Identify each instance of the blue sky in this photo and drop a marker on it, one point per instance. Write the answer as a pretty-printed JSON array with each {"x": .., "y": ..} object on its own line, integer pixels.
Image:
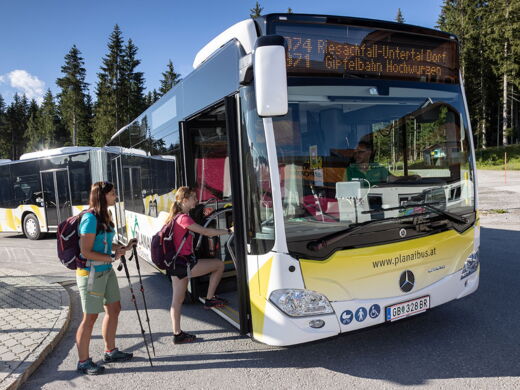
[{"x": 35, "y": 35}]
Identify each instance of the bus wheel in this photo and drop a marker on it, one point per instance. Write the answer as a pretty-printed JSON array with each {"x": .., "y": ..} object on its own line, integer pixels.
[{"x": 31, "y": 227}]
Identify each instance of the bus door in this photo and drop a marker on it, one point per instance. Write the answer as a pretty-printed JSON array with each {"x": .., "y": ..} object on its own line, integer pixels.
[
  {"x": 212, "y": 167},
  {"x": 133, "y": 189},
  {"x": 56, "y": 196},
  {"x": 117, "y": 179}
]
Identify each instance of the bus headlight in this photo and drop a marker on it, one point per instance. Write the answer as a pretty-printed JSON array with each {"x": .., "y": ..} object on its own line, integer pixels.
[
  {"x": 471, "y": 265},
  {"x": 300, "y": 303}
]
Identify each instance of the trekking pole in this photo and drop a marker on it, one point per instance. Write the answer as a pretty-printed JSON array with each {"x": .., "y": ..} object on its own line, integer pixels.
[
  {"x": 123, "y": 262},
  {"x": 134, "y": 256}
]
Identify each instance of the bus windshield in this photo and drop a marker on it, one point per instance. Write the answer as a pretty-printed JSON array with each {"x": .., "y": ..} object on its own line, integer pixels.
[{"x": 348, "y": 153}]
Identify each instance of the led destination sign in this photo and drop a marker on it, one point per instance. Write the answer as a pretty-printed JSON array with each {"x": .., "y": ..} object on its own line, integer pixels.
[{"x": 346, "y": 51}]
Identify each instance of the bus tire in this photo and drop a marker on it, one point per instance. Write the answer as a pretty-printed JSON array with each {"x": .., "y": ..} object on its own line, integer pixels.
[{"x": 31, "y": 227}]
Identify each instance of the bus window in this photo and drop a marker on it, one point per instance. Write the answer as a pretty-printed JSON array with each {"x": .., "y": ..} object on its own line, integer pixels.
[
  {"x": 132, "y": 186},
  {"x": 80, "y": 179},
  {"x": 257, "y": 182},
  {"x": 5, "y": 187},
  {"x": 210, "y": 156},
  {"x": 26, "y": 182}
]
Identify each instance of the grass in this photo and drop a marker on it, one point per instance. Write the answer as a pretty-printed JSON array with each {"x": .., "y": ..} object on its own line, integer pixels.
[
  {"x": 493, "y": 158},
  {"x": 498, "y": 211}
]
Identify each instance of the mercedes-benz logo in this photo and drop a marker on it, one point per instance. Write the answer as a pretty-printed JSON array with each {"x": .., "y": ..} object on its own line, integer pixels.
[
  {"x": 402, "y": 233},
  {"x": 406, "y": 281}
]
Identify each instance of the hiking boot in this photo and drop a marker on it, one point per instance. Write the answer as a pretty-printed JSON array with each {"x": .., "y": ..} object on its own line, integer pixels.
[
  {"x": 90, "y": 368},
  {"x": 117, "y": 356},
  {"x": 213, "y": 302},
  {"x": 183, "y": 338}
]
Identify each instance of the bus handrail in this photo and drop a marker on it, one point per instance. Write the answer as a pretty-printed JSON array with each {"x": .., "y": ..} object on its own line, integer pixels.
[{"x": 211, "y": 218}]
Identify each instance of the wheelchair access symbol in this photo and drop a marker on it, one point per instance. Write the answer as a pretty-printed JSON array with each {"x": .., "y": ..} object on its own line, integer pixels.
[
  {"x": 346, "y": 317},
  {"x": 374, "y": 311}
]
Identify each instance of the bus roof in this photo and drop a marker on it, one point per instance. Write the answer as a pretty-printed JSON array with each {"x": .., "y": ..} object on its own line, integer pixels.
[
  {"x": 246, "y": 32},
  {"x": 123, "y": 150},
  {"x": 56, "y": 152},
  {"x": 263, "y": 20}
]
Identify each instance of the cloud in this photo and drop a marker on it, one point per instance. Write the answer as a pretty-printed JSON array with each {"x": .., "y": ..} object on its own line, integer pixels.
[{"x": 26, "y": 83}]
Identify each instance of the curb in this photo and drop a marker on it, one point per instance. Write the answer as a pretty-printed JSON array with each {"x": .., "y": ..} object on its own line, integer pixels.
[{"x": 28, "y": 366}]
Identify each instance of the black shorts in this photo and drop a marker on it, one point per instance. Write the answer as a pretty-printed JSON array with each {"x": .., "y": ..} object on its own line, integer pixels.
[{"x": 181, "y": 266}]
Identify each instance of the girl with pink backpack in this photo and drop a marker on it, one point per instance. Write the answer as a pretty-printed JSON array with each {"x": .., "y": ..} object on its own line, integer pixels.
[{"x": 186, "y": 264}]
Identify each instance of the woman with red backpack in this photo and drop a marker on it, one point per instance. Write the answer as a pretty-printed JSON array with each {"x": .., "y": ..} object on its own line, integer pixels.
[
  {"x": 184, "y": 228},
  {"x": 97, "y": 282}
]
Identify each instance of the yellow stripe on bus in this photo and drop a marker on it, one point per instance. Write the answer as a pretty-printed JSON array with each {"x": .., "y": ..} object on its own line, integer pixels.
[{"x": 258, "y": 295}]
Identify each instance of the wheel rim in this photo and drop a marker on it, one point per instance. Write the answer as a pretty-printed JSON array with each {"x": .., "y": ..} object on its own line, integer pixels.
[{"x": 30, "y": 227}]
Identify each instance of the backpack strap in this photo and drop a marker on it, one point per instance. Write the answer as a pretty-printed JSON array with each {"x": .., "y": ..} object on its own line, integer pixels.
[
  {"x": 90, "y": 263},
  {"x": 180, "y": 246}
]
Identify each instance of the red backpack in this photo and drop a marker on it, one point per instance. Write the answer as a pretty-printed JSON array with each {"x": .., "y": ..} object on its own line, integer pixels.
[
  {"x": 162, "y": 248},
  {"x": 68, "y": 242}
]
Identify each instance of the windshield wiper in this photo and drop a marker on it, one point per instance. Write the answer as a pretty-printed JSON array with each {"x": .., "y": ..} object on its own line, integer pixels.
[
  {"x": 452, "y": 217},
  {"x": 332, "y": 238}
]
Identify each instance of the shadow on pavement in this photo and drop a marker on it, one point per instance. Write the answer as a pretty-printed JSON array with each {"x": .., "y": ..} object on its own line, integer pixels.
[{"x": 475, "y": 337}]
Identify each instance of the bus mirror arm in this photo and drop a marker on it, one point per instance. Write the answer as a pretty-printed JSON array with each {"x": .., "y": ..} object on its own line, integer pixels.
[{"x": 246, "y": 69}]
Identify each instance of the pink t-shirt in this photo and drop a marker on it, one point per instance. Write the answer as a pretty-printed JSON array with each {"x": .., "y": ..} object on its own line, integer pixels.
[{"x": 179, "y": 230}]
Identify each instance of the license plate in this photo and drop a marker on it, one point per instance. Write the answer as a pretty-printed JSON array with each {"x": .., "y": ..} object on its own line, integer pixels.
[{"x": 407, "y": 309}]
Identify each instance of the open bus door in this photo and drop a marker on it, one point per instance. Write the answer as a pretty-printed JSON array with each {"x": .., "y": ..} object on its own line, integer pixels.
[
  {"x": 212, "y": 162},
  {"x": 56, "y": 196},
  {"x": 117, "y": 179}
]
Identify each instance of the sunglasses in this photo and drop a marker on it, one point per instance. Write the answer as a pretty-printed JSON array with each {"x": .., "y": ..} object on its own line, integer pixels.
[{"x": 106, "y": 186}]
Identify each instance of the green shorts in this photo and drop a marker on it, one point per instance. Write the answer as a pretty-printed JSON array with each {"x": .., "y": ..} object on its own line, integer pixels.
[{"x": 105, "y": 290}]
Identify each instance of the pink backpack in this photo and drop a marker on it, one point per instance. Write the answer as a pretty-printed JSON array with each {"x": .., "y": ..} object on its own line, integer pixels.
[{"x": 162, "y": 248}]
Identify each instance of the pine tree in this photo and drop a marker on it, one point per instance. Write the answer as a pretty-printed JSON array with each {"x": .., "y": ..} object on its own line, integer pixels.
[
  {"x": 72, "y": 99},
  {"x": 134, "y": 102},
  {"x": 152, "y": 97},
  {"x": 469, "y": 19},
  {"x": 503, "y": 42},
  {"x": 399, "y": 18},
  {"x": 42, "y": 126},
  {"x": 33, "y": 108},
  {"x": 257, "y": 11},
  {"x": 17, "y": 116},
  {"x": 170, "y": 78},
  {"x": 289, "y": 10},
  {"x": 4, "y": 140},
  {"x": 108, "y": 109},
  {"x": 490, "y": 59}
]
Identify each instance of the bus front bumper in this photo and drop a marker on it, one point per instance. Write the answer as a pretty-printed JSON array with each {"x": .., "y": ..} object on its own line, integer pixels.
[
  {"x": 282, "y": 330},
  {"x": 371, "y": 312}
]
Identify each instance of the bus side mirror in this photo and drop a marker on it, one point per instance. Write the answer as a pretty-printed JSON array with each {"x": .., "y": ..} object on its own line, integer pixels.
[{"x": 270, "y": 76}]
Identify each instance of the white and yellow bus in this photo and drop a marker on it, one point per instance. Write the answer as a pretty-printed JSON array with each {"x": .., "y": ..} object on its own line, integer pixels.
[
  {"x": 44, "y": 188},
  {"x": 341, "y": 150}
]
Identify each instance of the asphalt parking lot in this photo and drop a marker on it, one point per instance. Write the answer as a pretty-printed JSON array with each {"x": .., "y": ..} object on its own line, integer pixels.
[{"x": 469, "y": 343}]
